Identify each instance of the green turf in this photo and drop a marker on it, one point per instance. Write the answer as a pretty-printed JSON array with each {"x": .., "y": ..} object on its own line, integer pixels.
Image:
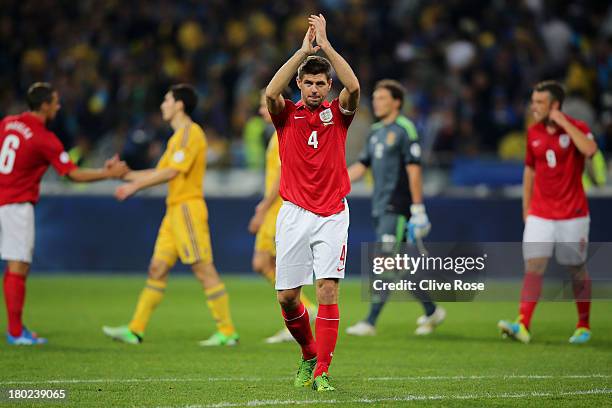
[{"x": 464, "y": 363}]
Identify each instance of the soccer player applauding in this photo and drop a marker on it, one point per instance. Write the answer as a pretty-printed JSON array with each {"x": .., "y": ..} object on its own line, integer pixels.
[
  {"x": 312, "y": 225},
  {"x": 263, "y": 222}
]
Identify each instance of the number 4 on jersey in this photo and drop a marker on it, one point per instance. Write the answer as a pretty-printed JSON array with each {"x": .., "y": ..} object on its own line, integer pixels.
[{"x": 312, "y": 140}]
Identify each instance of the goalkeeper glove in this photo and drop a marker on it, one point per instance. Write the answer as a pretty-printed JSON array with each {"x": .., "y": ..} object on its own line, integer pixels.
[{"x": 418, "y": 225}]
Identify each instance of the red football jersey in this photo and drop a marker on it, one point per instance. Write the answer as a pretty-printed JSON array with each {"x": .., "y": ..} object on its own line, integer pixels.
[
  {"x": 558, "y": 165},
  {"x": 312, "y": 152},
  {"x": 27, "y": 148}
]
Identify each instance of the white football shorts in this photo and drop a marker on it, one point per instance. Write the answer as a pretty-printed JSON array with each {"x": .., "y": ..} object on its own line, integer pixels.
[
  {"x": 17, "y": 232},
  {"x": 307, "y": 244},
  {"x": 568, "y": 238}
]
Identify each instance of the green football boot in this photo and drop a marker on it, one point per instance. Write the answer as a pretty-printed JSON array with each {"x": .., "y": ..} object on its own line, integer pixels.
[
  {"x": 516, "y": 331},
  {"x": 303, "y": 377},
  {"x": 220, "y": 339},
  {"x": 123, "y": 334},
  {"x": 580, "y": 336},
  {"x": 321, "y": 383}
]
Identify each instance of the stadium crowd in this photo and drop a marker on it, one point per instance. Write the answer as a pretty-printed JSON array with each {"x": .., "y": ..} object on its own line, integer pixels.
[{"x": 468, "y": 67}]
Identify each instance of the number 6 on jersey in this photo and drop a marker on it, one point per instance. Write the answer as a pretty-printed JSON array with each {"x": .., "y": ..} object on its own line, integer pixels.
[
  {"x": 7, "y": 154},
  {"x": 312, "y": 140}
]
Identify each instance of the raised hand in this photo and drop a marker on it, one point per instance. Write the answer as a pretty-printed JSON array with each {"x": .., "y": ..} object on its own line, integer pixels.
[
  {"x": 557, "y": 117},
  {"x": 308, "y": 46},
  {"x": 320, "y": 28}
]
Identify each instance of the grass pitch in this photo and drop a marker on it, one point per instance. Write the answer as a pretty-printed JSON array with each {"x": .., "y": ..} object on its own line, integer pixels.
[{"x": 464, "y": 363}]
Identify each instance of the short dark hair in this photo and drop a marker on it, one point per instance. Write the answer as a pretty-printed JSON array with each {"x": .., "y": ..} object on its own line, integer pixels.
[
  {"x": 554, "y": 88},
  {"x": 39, "y": 93},
  {"x": 186, "y": 94},
  {"x": 314, "y": 65},
  {"x": 394, "y": 87}
]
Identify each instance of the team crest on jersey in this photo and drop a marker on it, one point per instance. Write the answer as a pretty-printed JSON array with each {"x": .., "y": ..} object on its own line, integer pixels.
[
  {"x": 415, "y": 150},
  {"x": 64, "y": 157},
  {"x": 179, "y": 156},
  {"x": 391, "y": 136},
  {"x": 326, "y": 115},
  {"x": 564, "y": 141}
]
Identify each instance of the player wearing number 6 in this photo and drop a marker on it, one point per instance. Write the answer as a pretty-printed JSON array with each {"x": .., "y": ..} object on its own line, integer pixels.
[
  {"x": 312, "y": 225},
  {"x": 27, "y": 149},
  {"x": 555, "y": 208}
]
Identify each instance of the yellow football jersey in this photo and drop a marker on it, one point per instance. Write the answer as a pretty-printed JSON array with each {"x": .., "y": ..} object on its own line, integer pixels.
[
  {"x": 186, "y": 152},
  {"x": 273, "y": 163}
]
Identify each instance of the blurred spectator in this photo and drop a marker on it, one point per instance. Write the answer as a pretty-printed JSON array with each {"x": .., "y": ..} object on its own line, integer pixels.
[{"x": 468, "y": 65}]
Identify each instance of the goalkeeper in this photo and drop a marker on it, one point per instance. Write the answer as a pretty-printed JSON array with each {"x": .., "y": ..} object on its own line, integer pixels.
[{"x": 393, "y": 153}]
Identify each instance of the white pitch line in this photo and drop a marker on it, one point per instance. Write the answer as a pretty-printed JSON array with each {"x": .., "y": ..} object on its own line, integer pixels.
[
  {"x": 486, "y": 377},
  {"x": 141, "y": 380},
  {"x": 258, "y": 379},
  {"x": 406, "y": 398}
]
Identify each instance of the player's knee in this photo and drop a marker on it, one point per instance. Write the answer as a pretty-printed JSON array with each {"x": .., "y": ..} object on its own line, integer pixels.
[
  {"x": 288, "y": 299},
  {"x": 536, "y": 265},
  {"x": 327, "y": 291},
  {"x": 19, "y": 268},
  {"x": 578, "y": 272},
  {"x": 207, "y": 274},
  {"x": 158, "y": 270}
]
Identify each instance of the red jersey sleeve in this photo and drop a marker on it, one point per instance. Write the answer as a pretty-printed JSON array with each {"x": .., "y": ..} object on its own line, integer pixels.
[
  {"x": 529, "y": 157},
  {"x": 54, "y": 153},
  {"x": 345, "y": 117},
  {"x": 279, "y": 119},
  {"x": 584, "y": 128}
]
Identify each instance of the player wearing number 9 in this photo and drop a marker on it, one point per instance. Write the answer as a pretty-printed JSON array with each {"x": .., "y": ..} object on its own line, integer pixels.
[
  {"x": 27, "y": 149},
  {"x": 555, "y": 208}
]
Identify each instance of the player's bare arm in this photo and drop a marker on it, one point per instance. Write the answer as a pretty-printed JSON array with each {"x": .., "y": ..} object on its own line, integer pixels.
[
  {"x": 264, "y": 205},
  {"x": 280, "y": 80},
  {"x": 415, "y": 181},
  {"x": 117, "y": 170},
  {"x": 131, "y": 175},
  {"x": 134, "y": 175},
  {"x": 528, "y": 176},
  {"x": 157, "y": 176},
  {"x": 349, "y": 96},
  {"x": 586, "y": 146},
  {"x": 356, "y": 171}
]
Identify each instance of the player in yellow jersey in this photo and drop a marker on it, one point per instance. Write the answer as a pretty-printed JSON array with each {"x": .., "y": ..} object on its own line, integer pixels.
[
  {"x": 263, "y": 222},
  {"x": 184, "y": 230}
]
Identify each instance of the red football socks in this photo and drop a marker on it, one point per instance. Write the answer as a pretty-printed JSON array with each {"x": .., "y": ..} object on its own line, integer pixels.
[
  {"x": 14, "y": 296},
  {"x": 298, "y": 323},
  {"x": 326, "y": 329},
  {"x": 582, "y": 294},
  {"x": 532, "y": 288}
]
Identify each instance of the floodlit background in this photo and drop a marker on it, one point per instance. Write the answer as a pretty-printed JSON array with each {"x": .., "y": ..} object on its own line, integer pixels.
[{"x": 468, "y": 67}]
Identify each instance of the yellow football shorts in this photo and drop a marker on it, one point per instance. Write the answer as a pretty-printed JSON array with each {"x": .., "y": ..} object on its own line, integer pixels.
[
  {"x": 184, "y": 234},
  {"x": 264, "y": 240}
]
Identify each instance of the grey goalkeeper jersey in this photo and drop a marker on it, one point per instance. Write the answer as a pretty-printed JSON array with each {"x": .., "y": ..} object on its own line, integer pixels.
[{"x": 388, "y": 150}]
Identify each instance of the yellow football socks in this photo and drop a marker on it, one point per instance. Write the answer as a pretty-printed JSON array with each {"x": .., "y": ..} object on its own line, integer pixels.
[
  {"x": 217, "y": 300},
  {"x": 150, "y": 297}
]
